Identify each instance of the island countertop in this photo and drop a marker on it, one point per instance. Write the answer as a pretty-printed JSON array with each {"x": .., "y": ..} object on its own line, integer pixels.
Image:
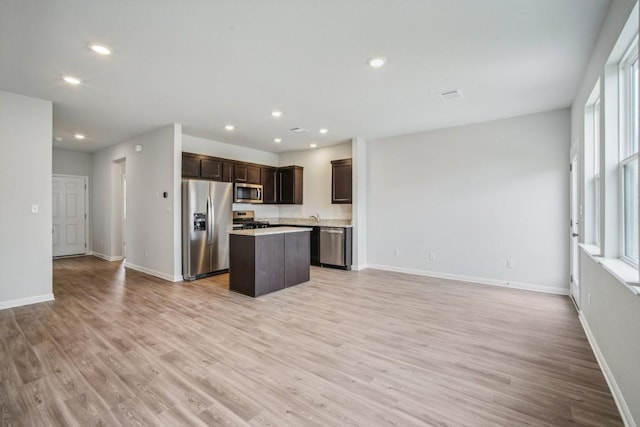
[{"x": 268, "y": 231}]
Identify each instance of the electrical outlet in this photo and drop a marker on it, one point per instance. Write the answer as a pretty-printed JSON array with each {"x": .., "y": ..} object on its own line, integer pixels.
[
  {"x": 397, "y": 252},
  {"x": 589, "y": 300},
  {"x": 509, "y": 263},
  {"x": 146, "y": 252},
  {"x": 432, "y": 256},
  {"x": 34, "y": 208}
]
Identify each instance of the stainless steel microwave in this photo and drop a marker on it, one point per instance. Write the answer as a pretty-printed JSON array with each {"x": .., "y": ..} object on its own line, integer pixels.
[{"x": 247, "y": 193}]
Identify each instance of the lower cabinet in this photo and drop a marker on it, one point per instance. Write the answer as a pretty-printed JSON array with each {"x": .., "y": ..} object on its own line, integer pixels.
[
  {"x": 259, "y": 264},
  {"x": 315, "y": 246}
]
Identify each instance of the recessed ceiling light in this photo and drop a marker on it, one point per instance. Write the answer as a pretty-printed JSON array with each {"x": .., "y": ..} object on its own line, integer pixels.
[
  {"x": 323, "y": 131},
  {"x": 72, "y": 80},
  {"x": 377, "y": 62},
  {"x": 101, "y": 49},
  {"x": 277, "y": 140},
  {"x": 59, "y": 139},
  {"x": 79, "y": 136},
  {"x": 229, "y": 127},
  {"x": 314, "y": 145},
  {"x": 276, "y": 113}
]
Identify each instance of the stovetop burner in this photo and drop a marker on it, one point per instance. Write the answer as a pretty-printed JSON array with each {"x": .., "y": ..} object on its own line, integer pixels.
[{"x": 245, "y": 220}]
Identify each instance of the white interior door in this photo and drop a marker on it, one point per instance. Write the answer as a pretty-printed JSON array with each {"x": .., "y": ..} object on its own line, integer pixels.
[
  {"x": 69, "y": 215},
  {"x": 574, "y": 230}
]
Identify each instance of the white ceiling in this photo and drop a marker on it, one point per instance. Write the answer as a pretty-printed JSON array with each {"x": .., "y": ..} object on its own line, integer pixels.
[{"x": 207, "y": 63}]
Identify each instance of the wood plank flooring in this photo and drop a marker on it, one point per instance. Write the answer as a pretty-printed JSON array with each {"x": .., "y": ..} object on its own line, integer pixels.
[{"x": 368, "y": 348}]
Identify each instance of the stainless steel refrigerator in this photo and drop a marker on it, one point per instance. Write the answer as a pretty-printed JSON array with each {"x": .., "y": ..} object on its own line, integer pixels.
[{"x": 206, "y": 222}]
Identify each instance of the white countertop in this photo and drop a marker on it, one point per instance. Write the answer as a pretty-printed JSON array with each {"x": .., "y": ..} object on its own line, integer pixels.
[{"x": 267, "y": 231}]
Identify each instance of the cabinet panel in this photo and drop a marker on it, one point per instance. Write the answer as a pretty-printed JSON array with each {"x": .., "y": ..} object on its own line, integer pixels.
[
  {"x": 190, "y": 166},
  {"x": 268, "y": 181},
  {"x": 290, "y": 185},
  {"x": 296, "y": 258},
  {"x": 211, "y": 169},
  {"x": 341, "y": 181},
  {"x": 247, "y": 173}
]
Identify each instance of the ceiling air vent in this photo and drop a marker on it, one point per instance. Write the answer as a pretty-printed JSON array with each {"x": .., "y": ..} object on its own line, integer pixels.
[
  {"x": 299, "y": 130},
  {"x": 451, "y": 95}
]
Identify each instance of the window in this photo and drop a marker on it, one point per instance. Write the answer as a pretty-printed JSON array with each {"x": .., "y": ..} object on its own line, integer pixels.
[
  {"x": 596, "y": 172},
  {"x": 592, "y": 167},
  {"x": 629, "y": 153}
]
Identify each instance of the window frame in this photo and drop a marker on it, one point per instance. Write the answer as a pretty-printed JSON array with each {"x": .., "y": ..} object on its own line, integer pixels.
[{"x": 628, "y": 137}]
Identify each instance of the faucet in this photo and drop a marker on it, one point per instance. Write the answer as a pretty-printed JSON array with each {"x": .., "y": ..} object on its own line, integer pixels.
[{"x": 316, "y": 217}]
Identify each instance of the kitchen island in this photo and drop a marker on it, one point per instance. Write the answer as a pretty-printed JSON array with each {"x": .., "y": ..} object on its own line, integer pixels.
[{"x": 264, "y": 260}]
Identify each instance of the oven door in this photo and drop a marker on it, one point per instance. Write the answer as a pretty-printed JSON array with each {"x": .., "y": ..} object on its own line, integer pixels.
[{"x": 247, "y": 193}]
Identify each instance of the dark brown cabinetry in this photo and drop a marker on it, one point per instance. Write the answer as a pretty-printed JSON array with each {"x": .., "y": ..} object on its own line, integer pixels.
[
  {"x": 290, "y": 185},
  {"x": 205, "y": 167},
  {"x": 341, "y": 181},
  {"x": 280, "y": 185},
  {"x": 190, "y": 166},
  {"x": 216, "y": 169},
  {"x": 248, "y": 174},
  {"x": 268, "y": 179},
  {"x": 315, "y": 246},
  {"x": 259, "y": 264}
]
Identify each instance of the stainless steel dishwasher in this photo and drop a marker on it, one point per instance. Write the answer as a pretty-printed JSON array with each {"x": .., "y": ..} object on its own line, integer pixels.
[{"x": 335, "y": 246}]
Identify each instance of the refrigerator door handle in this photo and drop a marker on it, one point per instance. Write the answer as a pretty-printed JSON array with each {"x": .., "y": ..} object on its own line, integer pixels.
[{"x": 210, "y": 221}]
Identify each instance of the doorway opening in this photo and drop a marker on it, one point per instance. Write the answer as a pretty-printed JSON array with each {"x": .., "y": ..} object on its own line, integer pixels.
[
  {"x": 574, "y": 234},
  {"x": 118, "y": 208}
]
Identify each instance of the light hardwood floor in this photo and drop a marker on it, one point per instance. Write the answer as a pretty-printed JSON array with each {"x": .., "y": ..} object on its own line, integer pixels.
[{"x": 365, "y": 348}]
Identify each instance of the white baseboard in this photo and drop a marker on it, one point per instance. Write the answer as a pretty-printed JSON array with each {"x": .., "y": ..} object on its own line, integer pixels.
[
  {"x": 359, "y": 267},
  {"x": 155, "y": 273},
  {"x": 625, "y": 413},
  {"x": 26, "y": 301},
  {"x": 106, "y": 257},
  {"x": 472, "y": 279}
]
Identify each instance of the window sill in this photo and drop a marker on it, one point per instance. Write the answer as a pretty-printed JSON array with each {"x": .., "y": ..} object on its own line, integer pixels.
[
  {"x": 623, "y": 272},
  {"x": 592, "y": 250}
]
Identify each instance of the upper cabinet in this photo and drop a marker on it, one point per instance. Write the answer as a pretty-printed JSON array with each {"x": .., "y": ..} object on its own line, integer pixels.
[
  {"x": 268, "y": 179},
  {"x": 341, "y": 181},
  {"x": 245, "y": 173},
  {"x": 289, "y": 189},
  {"x": 205, "y": 167},
  {"x": 279, "y": 185},
  {"x": 216, "y": 169},
  {"x": 190, "y": 166}
]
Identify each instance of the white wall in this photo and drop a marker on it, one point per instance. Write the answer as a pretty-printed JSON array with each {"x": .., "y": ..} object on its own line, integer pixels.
[
  {"x": 317, "y": 182},
  {"x": 612, "y": 317},
  {"x": 152, "y": 227},
  {"x": 67, "y": 162},
  {"x": 25, "y": 180},
  {"x": 476, "y": 196},
  {"x": 193, "y": 144}
]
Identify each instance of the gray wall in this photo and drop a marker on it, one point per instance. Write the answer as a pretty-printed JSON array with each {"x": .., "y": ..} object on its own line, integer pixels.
[
  {"x": 67, "y": 162},
  {"x": 476, "y": 196},
  {"x": 613, "y": 315},
  {"x": 152, "y": 228},
  {"x": 25, "y": 180}
]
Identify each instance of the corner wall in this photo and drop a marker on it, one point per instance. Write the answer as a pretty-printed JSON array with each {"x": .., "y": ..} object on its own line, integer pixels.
[
  {"x": 612, "y": 315},
  {"x": 25, "y": 237},
  {"x": 152, "y": 226},
  {"x": 316, "y": 191},
  {"x": 462, "y": 202}
]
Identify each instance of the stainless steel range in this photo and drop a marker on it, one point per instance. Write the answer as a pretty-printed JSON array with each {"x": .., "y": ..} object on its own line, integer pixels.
[{"x": 246, "y": 220}]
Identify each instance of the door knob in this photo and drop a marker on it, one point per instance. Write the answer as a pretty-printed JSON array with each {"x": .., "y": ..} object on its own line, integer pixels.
[{"x": 575, "y": 234}]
